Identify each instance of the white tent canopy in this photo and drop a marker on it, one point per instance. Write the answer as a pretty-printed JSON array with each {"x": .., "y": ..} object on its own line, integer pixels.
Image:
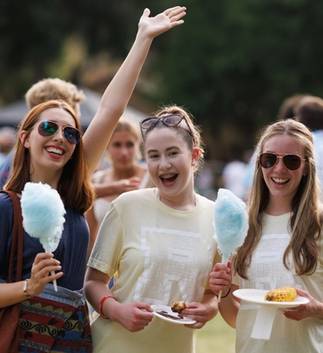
[{"x": 12, "y": 114}]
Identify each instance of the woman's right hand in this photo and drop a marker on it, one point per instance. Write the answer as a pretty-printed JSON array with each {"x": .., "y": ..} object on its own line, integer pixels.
[
  {"x": 125, "y": 185},
  {"x": 220, "y": 278},
  {"x": 166, "y": 20},
  {"x": 43, "y": 272},
  {"x": 132, "y": 316}
]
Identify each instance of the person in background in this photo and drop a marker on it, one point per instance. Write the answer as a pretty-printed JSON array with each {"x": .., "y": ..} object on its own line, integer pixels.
[
  {"x": 310, "y": 112},
  {"x": 287, "y": 109},
  {"x": 7, "y": 141},
  {"x": 233, "y": 172},
  {"x": 283, "y": 246},
  {"x": 50, "y": 149},
  {"x": 160, "y": 240},
  {"x": 125, "y": 173},
  {"x": 43, "y": 91}
]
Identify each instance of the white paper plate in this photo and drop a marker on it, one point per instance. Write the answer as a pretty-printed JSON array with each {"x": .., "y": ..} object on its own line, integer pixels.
[
  {"x": 257, "y": 296},
  {"x": 165, "y": 312}
]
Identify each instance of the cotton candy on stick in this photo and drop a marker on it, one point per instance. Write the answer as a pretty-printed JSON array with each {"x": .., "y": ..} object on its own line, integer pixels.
[
  {"x": 43, "y": 215},
  {"x": 230, "y": 222}
]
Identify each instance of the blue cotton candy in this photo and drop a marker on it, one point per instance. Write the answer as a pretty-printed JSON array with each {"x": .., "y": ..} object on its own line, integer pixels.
[
  {"x": 230, "y": 221},
  {"x": 43, "y": 214}
]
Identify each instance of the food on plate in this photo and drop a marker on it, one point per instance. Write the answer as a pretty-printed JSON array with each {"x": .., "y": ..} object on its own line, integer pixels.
[
  {"x": 285, "y": 294},
  {"x": 178, "y": 306},
  {"x": 174, "y": 316}
]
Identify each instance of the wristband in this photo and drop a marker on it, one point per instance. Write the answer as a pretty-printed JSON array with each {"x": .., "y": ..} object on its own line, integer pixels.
[
  {"x": 25, "y": 288},
  {"x": 102, "y": 301},
  {"x": 225, "y": 295}
]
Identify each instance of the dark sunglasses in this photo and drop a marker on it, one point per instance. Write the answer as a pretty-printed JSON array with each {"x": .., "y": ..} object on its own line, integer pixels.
[
  {"x": 49, "y": 128},
  {"x": 170, "y": 120},
  {"x": 291, "y": 161}
]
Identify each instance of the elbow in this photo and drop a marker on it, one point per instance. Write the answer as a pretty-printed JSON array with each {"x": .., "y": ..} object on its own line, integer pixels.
[{"x": 87, "y": 285}]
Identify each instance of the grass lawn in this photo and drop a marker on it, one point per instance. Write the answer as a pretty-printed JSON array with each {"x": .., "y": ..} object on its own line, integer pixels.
[{"x": 216, "y": 337}]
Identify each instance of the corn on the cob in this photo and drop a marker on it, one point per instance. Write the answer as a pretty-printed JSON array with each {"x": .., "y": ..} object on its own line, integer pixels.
[{"x": 286, "y": 294}]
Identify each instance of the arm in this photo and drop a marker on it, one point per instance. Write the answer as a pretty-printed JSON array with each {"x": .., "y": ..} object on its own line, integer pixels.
[
  {"x": 44, "y": 264},
  {"x": 220, "y": 280},
  {"x": 229, "y": 307},
  {"x": 116, "y": 187},
  {"x": 132, "y": 316},
  {"x": 119, "y": 91},
  {"x": 93, "y": 228}
]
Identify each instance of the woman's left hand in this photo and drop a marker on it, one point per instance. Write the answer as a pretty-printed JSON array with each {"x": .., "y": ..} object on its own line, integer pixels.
[
  {"x": 312, "y": 309},
  {"x": 200, "y": 312}
]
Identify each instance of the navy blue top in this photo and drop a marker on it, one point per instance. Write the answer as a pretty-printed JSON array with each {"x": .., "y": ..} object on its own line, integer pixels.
[{"x": 71, "y": 251}]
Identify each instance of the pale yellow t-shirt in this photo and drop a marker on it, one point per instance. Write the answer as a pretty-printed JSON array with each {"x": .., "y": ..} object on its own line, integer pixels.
[
  {"x": 161, "y": 255},
  {"x": 267, "y": 272}
]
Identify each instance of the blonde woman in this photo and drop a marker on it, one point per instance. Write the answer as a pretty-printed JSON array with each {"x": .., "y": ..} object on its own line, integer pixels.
[
  {"x": 284, "y": 244},
  {"x": 126, "y": 173}
]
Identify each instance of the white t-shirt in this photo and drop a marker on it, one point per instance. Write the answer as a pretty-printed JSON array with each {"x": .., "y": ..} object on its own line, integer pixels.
[
  {"x": 318, "y": 154},
  {"x": 267, "y": 272},
  {"x": 233, "y": 176},
  {"x": 161, "y": 255}
]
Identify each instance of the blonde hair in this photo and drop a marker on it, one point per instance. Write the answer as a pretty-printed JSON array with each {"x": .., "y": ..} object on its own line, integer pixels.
[
  {"x": 57, "y": 89},
  {"x": 306, "y": 219},
  {"x": 126, "y": 125}
]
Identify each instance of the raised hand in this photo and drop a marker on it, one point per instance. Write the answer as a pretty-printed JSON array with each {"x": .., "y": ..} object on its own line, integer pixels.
[
  {"x": 42, "y": 272},
  {"x": 119, "y": 90},
  {"x": 166, "y": 20}
]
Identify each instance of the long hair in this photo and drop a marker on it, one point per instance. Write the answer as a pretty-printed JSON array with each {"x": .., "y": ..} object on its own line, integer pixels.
[
  {"x": 305, "y": 222},
  {"x": 74, "y": 185}
]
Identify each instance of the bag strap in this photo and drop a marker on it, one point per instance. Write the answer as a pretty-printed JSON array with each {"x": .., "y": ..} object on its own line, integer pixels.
[{"x": 16, "y": 249}]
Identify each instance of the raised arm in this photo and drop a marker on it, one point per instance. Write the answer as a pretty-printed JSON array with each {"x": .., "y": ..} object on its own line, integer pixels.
[{"x": 119, "y": 91}]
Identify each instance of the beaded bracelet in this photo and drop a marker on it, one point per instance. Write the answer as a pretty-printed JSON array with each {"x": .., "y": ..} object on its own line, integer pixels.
[
  {"x": 224, "y": 296},
  {"x": 102, "y": 301}
]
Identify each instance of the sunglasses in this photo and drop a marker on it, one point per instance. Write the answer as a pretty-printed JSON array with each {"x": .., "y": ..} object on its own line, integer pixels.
[
  {"x": 291, "y": 161},
  {"x": 170, "y": 120},
  {"x": 49, "y": 128}
]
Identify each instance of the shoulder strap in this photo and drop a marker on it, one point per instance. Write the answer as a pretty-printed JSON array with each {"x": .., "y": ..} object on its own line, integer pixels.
[{"x": 16, "y": 249}]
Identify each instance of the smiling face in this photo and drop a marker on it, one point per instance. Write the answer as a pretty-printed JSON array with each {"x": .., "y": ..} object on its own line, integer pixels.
[
  {"x": 123, "y": 150},
  {"x": 171, "y": 165},
  {"x": 282, "y": 182},
  {"x": 49, "y": 154}
]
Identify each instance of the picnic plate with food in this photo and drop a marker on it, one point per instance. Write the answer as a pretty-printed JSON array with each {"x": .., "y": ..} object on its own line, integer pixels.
[
  {"x": 165, "y": 312},
  {"x": 281, "y": 297}
]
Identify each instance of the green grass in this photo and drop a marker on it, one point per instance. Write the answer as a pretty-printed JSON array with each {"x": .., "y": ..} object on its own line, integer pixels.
[{"x": 216, "y": 337}]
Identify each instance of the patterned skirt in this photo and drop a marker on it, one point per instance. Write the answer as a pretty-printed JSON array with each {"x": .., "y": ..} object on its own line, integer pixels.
[{"x": 55, "y": 322}]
